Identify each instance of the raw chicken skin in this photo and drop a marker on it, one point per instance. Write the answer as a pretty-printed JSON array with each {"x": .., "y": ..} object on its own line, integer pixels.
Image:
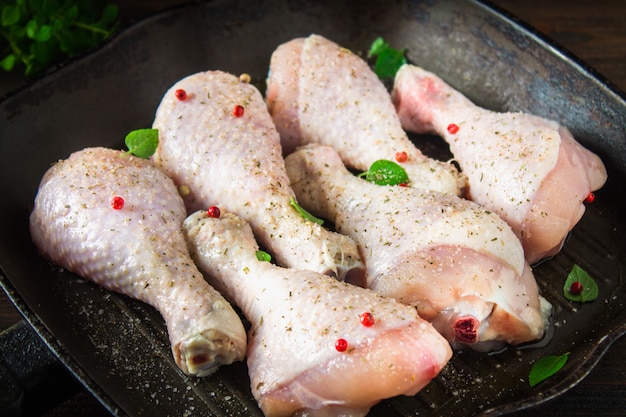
[
  {"x": 235, "y": 159},
  {"x": 137, "y": 249},
  {"x": 529, "y": 170},
  {"x": 297, "y": 317},
  {"x": 319, "y": 92},
  {"x": 459, "y": 264}
]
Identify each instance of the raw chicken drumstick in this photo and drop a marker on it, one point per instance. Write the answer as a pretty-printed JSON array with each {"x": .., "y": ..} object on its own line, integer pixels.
[
  {"x": 319, "y": 92},
  {"x": 529, "y": 170},
  {"x": 116, "y": 220},
  {"x": 317, "y": 346},
  {"x": 219, "y": 144},
  {"x": 459, "y": 264}
]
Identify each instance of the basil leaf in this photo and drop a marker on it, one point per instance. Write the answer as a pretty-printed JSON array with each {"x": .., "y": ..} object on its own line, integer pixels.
[
  {"x": 263, "y": 256},
  {"x": 305, "y": 214},
  {"x": 377, "y": 46},
  {"x": 142, "y": 142},
  {"x": 109, "y": 14},
  {"x": 545, "y": 368},
  {"x": 10, "y": 15},
  {"x": 590, "y": 288},
  {"x": 389, "y": 62},
  {"x": 44, "y": 33},
  {"x": 388, "y": 59},
  {"x": 71, "y": 14},
  {"x": 385, "y": 172},
  {"x": 39, "y": 33},
  {"x": 31, "y": 29},
  {"x": 7, "y": 62}
]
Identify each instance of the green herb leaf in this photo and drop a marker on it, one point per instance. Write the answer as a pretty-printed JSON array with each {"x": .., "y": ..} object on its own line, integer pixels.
[
  {"x": 590, "y": 288},
  {"x": 10, "y": 15},
  {"x": 38, "y": 33},
  {"x": 377, "y": 46},
  {"x": 71, "y": 13},
  {"x": 109, "y": 15},
  {"x": 44, "y": 33},
  {"x": 305, "y": 214},
  {"x": 545, "y": 368},
  {"x": 385, "y": 172},
  {"x": 8, "y": 62},
  {"x": 263, "y": 256},
  {"x": 142, "y": 142},
  {"x": 388, "y": 59},
  {"x": 42, "y": 52},
  {"x": 31, "y": 28}
]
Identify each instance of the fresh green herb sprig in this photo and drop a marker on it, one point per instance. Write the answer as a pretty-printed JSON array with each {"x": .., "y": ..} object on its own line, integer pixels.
[
  {"x": 35, "y": 34},
  {"x": 263, "y": 256},
  {"x": 388, "y": 59},
  {"x": 545, "y": 368},
  {"x": 385, "y": 172},
  {"x": 305, "y": 214},
  {"x": 142, "y": 142}
]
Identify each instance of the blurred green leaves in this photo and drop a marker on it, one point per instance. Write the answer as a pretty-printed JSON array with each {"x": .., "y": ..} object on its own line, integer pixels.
[{"x": 35, "y": 34}]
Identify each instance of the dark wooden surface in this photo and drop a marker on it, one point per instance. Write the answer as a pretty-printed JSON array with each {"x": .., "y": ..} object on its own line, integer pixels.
[{"x": 594, "y": 31}]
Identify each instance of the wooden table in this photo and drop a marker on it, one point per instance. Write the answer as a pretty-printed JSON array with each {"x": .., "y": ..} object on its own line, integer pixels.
[{"x": 595, "y": 31}]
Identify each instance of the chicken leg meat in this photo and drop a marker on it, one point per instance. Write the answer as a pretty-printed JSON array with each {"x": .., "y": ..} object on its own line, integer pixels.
[
  {"x": 317, "y": 346},
  {"x": 219, "y": 144},
  {"x": 319, "y": 92},
  {"x": 458, "y": 263},
  {"x": 529, "y": 170},
  {"x": 116, "y": 220}
]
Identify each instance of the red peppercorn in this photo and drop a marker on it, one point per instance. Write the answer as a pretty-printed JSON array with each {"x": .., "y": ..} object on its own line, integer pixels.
[
  {"x": 367, "y": 319},
  {"x": 117, "y": 203},
  {"x": 341, "y": 345},
  {"x": 238, "y": 111},
  {"x": 214, "y": 212},
  {"x": 453, "y": 128},
  {"x": 401, "y": 156},
  {"x": 576, "y": 287},
  {"x": 181, "y": 94},
  {"x": 590, "y": 198}
]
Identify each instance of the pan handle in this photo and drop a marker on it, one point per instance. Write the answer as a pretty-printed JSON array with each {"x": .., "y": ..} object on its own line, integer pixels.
[{"x": 32, "y": 380}]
